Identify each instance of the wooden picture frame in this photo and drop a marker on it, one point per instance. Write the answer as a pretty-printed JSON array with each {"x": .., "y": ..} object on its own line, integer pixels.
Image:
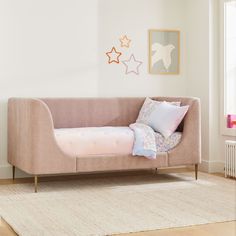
[{"x": 164, "y": 51}]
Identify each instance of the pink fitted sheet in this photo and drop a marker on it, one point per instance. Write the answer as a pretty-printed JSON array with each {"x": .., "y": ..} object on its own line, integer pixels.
[{"x": 93, "y": 141}]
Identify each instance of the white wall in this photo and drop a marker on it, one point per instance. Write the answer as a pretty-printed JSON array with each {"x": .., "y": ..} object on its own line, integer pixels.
[
  {"x": 47, "y": 48},
  {"x": 57, "y": 48},
  {"x": 222, "y": 135},
  {"x": 198, "y": 62},
  {"x": 203, "y": 73},
  {"x": 134, "y": 18}
]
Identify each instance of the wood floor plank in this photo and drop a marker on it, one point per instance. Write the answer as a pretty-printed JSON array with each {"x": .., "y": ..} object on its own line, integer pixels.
[{"x": 5, "y": 229}]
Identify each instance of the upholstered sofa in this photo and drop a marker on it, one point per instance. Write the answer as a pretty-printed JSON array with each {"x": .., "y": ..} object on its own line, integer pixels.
[{"x": 34, "y": 147}]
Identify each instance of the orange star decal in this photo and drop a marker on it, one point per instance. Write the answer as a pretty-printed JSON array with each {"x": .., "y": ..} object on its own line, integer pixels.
[
  {"x": 125, "y": 41},
  {"x": 113, "y": 56}
]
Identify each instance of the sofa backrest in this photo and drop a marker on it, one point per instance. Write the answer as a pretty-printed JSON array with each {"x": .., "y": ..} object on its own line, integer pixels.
[{"x": 85, "y": 112}]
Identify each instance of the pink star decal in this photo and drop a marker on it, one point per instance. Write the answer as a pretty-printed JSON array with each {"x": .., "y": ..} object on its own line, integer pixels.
[
  {"x": 113, "y": 56},
  {"x": 132, "y": 65},
  {"x": 125, "y": 41}
]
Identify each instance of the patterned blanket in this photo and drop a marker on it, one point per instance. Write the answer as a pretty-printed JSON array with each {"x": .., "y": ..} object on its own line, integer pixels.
[{"x": 149, "y": 143}]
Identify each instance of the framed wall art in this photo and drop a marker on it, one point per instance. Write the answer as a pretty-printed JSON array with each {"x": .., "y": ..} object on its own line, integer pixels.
[{"x": 164, "y": 51}]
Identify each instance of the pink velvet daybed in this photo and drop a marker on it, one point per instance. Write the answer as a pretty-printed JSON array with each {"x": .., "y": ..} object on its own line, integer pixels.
[{"x": 36, "y": 147}]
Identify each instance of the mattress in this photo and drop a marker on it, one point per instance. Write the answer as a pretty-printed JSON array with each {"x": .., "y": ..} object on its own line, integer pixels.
[
  {"x": 89, "y": 141},
  {"x": 96, "y": 141}
]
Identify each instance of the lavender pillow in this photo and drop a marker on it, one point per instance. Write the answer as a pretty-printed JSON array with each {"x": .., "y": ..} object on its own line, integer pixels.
[
  {"x": 165, "y": 118},
  {"x": 147, "y": 108}
]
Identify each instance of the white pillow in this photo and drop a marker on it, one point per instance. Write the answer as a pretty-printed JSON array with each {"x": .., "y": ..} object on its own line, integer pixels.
[
  {"x": 147, "y": 109},
  {"x": 165, "y": 118}
]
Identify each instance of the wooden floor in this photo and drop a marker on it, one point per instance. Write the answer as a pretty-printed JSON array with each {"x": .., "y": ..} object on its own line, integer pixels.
[{"x": 216, "y": 229}]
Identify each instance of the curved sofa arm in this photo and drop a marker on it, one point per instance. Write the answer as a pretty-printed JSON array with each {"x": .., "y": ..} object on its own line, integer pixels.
[
  {"x": 32, "y": 146},
  {"x": 189, "y": 149}
]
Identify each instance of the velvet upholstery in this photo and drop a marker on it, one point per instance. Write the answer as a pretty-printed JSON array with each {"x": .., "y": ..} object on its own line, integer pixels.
[
  {"x": 121, "y": 162},
  {"x": 31, "y": 142},
  {"x": 32, "y": 146}
]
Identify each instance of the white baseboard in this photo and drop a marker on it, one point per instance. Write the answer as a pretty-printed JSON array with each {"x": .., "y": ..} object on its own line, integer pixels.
[
  {"x": 212, "y": 166},
  {"x": 6, "y": 172}
]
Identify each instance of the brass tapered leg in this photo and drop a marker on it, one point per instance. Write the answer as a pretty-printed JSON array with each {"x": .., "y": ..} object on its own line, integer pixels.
[
  {"x": 13, "y": 172},
  {"x": 196, "y": 171},
  {"x": 35, "y": 183}
]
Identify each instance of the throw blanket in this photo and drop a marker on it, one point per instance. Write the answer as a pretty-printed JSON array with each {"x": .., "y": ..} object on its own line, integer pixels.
[{"x": 149, "y": 143}]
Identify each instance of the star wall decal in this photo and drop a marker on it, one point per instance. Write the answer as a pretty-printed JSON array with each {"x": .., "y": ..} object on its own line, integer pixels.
[
  {"x": 113, "y": 56},
  {"x": 125, "y": 41},
  {"x": 132, "y": 65}
]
